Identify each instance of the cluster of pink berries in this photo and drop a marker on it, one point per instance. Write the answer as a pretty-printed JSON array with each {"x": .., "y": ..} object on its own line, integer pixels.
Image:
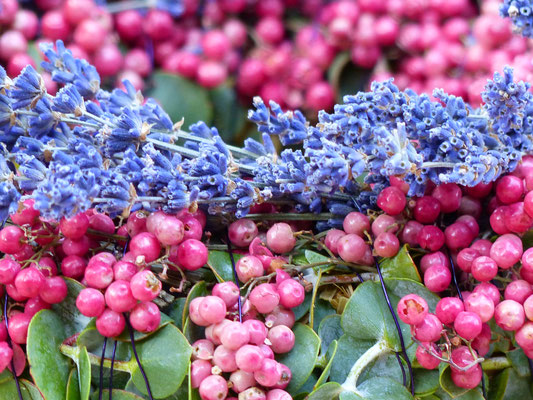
[{"x": 240, "y": 356}]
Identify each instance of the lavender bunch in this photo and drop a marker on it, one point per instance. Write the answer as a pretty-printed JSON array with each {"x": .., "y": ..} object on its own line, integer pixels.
[
  {"x": 86, "y": 147},
  {"x": 521, "y": 13}
]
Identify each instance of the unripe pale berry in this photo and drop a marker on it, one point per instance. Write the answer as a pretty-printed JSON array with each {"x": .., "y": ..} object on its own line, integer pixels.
[
  {"x": 213, "y": 387},
  {"x": 351, "y": 248},
  {"x": 242, "y": 232},
  {"x": 212, "y": 309},
  {"x": 202, "y": 349},
  {"x": 268, "y": 373},
  {"x": 509, "y": 315},
  {"x": 200, "y": 369},
  {"x": 249, "y": 358},
  {"x": 291, "y": 293},
  {"x": 257, "y": 330},
  {"x": 357, "y": 223},
  {"x": 234, "y": 336},
  {"x": 280, "y": 238},
  {"x": 225, "y": 359},
  {"x": 227, "y": 291},
  {"x": 264, "y": 297},
  {"x": 241, "y": 380},
  {"x": 282, "y": 339}
]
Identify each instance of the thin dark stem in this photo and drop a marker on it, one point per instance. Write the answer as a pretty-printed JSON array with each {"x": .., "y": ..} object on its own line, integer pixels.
[
  {"x": 101, "y": 383},
  {"x": 132, "y": 339},
  {"x": 391, "y": 309},
  {"x": 454, "y": 276},
  {"x": 483, "y": 388},
  {"x": 404, "y": 378},
  {"x": 530, "y": 362},
  {"x": 359, "y": 276},
  {"x": 13, "y": 371},
  {"x": 111, "y": 371},
  {"x": 235, "y": 277}
]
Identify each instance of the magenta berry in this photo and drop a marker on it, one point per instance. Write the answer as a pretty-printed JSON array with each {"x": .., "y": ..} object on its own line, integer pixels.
[
  {"x": 426, "y": 210},
  {"x": 429, "y": 330},
  {"x": 412, "y": 309},
  {"x": 357, "y": 223},
  {"x": 29, "y": 282},
  {"x": 6, "y": 354},
  {"x": 119, "y": 298},
  {"x": 8, "y": 270},
  {"x": 509, "y": 315},
  {"x": 249, "y": 358},
  {"x": 291, "y": 293},
  {"x": 484, "y": 269},
  {"x": 506, "y": 250},
  {"x": 249, "y": 267},
  {"x": 528, "y": 307},
  {"x": 192, "y": 227},
  {"x": 145, "y": 244},
  {"x": 448, "y": 308},
  {"x": 34, "y": 305},
  {"x": 518, "y": 291},
  {"x": 75, "y": 227},
  {"x": 391, "y": 200},
  {"x": 192, "y": 254},
  {"x": 280, "y": 238},
  {"x": 282, "y": 339},
  {"x": 212, "y": 309},
  {"x": 194, "y": 313},
  {"x": 437, "y": 278},
  {"x": 449, "y": 196},
  {"x": 98, "y": 275},
  {"x": 489, "y": 290},
  {"x": 332, "y": 239},
  {"x": 265, "y": 297},
  {"x": 431, "y": 238},
  {"x": 509, "y": 189},
  {"x": 18, "y": 327},
  {"x": 458, "y": 235},
  {"x": 145, "y": 317},
  {"x": 524, "y": 336},
  {"x": 53, "y": 290},
  {"x": 468, "y": 325},
  {"x": 200, "y": 369},
  {"x": 145, "y": 286},
  {"x": 213, "y": 387},
  {"x": 227, "y": 291},
  {"x": 242, "y": 232},
  {"x": 481, "y": 304},
  {"x": 123, "y": 270},
  {"x": 425, "y": 357},
  {"x": 90, "y": 302},
  {"x": 11, "y": 238},
  {"x": 110, "y": 323},
  {"x": 466, "y": 257}
]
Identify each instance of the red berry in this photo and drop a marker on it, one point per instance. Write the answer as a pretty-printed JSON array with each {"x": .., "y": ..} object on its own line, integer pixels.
[
  {"x": 119, "y": 298},
  {"x": 110, "y": 323},
  {"x": 145, "y": 286},
  {"x": 145, "y": 317},
  {"x": 391, "y": 200}
]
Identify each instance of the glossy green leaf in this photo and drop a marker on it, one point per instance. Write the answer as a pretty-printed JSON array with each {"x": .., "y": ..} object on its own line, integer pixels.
[
  {"x": 182, "y": 98},
  {"x": 383, "y": 388},
  {"x": 84, "y": 373},
  {"x": 199, "y": 289},
  {"x": 426, "y": 381},
  {"x": 221, "y": 263},
  {"x": 302, "y": 358},
  {"x": 313, "y": 257},
  {"x": 73, "y": 386},
  {"x": 322, "y": 310},
  {"x": 384, "y": 366},
  {"x": 327, "y": 391},
  {"x": 330, "y": 329},
  {"x": 165, "y": 358},
  {"x": 508, "y": 385},
  {"x": 325, "y": 373},
  {"x": 474, "y": 394},
  {"x": 519, "y": 362},
  {"x": 229, "y": 115},
  {"x": 117, "y": 395},
  {"x": 175, "y": 311},
  {"x": 93, "y": 341},
  {"x": 446, "y": 383},
  {"x": 348, "y": 352},
  {"x": 49, "y": 368},
  {"x": 367, "y": 316},
  {"x": 400, "y": 266},
  {"x": 303, "y": 308},
  {"x": 125, "y": 335},
  {"x": 32, "y": 390},
  {"x": 71, "y": 319},
  {"x": 8, "y": 389}
]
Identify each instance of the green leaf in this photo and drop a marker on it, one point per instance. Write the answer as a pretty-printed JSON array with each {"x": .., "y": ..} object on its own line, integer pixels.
[
  {"x": 426, "y": 381},
  {"x": 508, "y": 385},
  {"x": 182, "y": 98},
  {"x": 313, "y": 257},
  {"x": 330, "y": 329},
  {"x": 221, "y": 263},
  {"x": 302, "y": 358},
  {"x": 229, "y": 115},
  {"x": 73, "y": 385},
  {"x": 8, "y": 389},
  {"x": 175, "y": 311},
  {"x": 72, "y": 320},
  {"x": 447, "y": 384},
  {"x": 327, "y": 391},
  {"x": 474, "y": 394},
  {"x": 84, "y": 373},
  {"x": 383, "y": 388},
  {"x": 384, "y": 366},
  {"x": 325, "y": 373},
  {"x": 348, "y": 352},
  {"x": 400, "y": 266},
  {"x": 117, "y": 395},
  {"x": 165, "y": 358},
  {"x": 519, "y": 361},
  {"x": 323, "y": 309},
  {"x": 303, "y": 308},
  {"x": 198, "y": 290},
  {"x": 367, "y": 316},
  {"x": 48, "y": 367},
  {"x": 31, "y": 389},
  {"x": 125, "y": 335}
]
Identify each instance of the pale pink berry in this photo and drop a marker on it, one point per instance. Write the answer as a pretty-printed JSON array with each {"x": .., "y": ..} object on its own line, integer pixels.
[
  {"x": 268, "y": 374},
  {"x": 241, "y": 380},
  {"x": 249, "y": 267},
  {"x": 280, "y": 238},
  {"x": 242, "y": 232},
  {"x": 145, "y": 286},
  {"x": 437, "y": 278},
  {"x": 429, "y": 330},
  {"x": 264, "y": 297},
  {"x": 169, "y": 230},
  {"x": 145, "y": 244},
  {"x": 351, "y": 248},
  {"x": 332, "y": 239},
  {"x": 489, "y": 290},
  {"x": 249, "y": 358},
  {"x": 506, "y": 250},
  {"x": 227, "y": 291},
  {"x": 357, "y": 223},
  {"x": 509, "y": 315},
  {"x": 145, "y": 317},
  {"x": 518, "y": 291},
  {"x": 280, "y": 316},
  {"x": 200, "y": 369},
  {"x": 278, "y": 394},
  {"x": 202, "y": 349},
  {"x": 282, "y": 339},
  {"x": 257, "y": 330},
  {"x": 213, "y": 387},
  {"x": 212, "y": 309},
  {"x": 235, "y": 335},
  {"x": 481, "y": 304},
  {"x": 291, "y": 293},
  {"x": 225, "y": 359}
]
